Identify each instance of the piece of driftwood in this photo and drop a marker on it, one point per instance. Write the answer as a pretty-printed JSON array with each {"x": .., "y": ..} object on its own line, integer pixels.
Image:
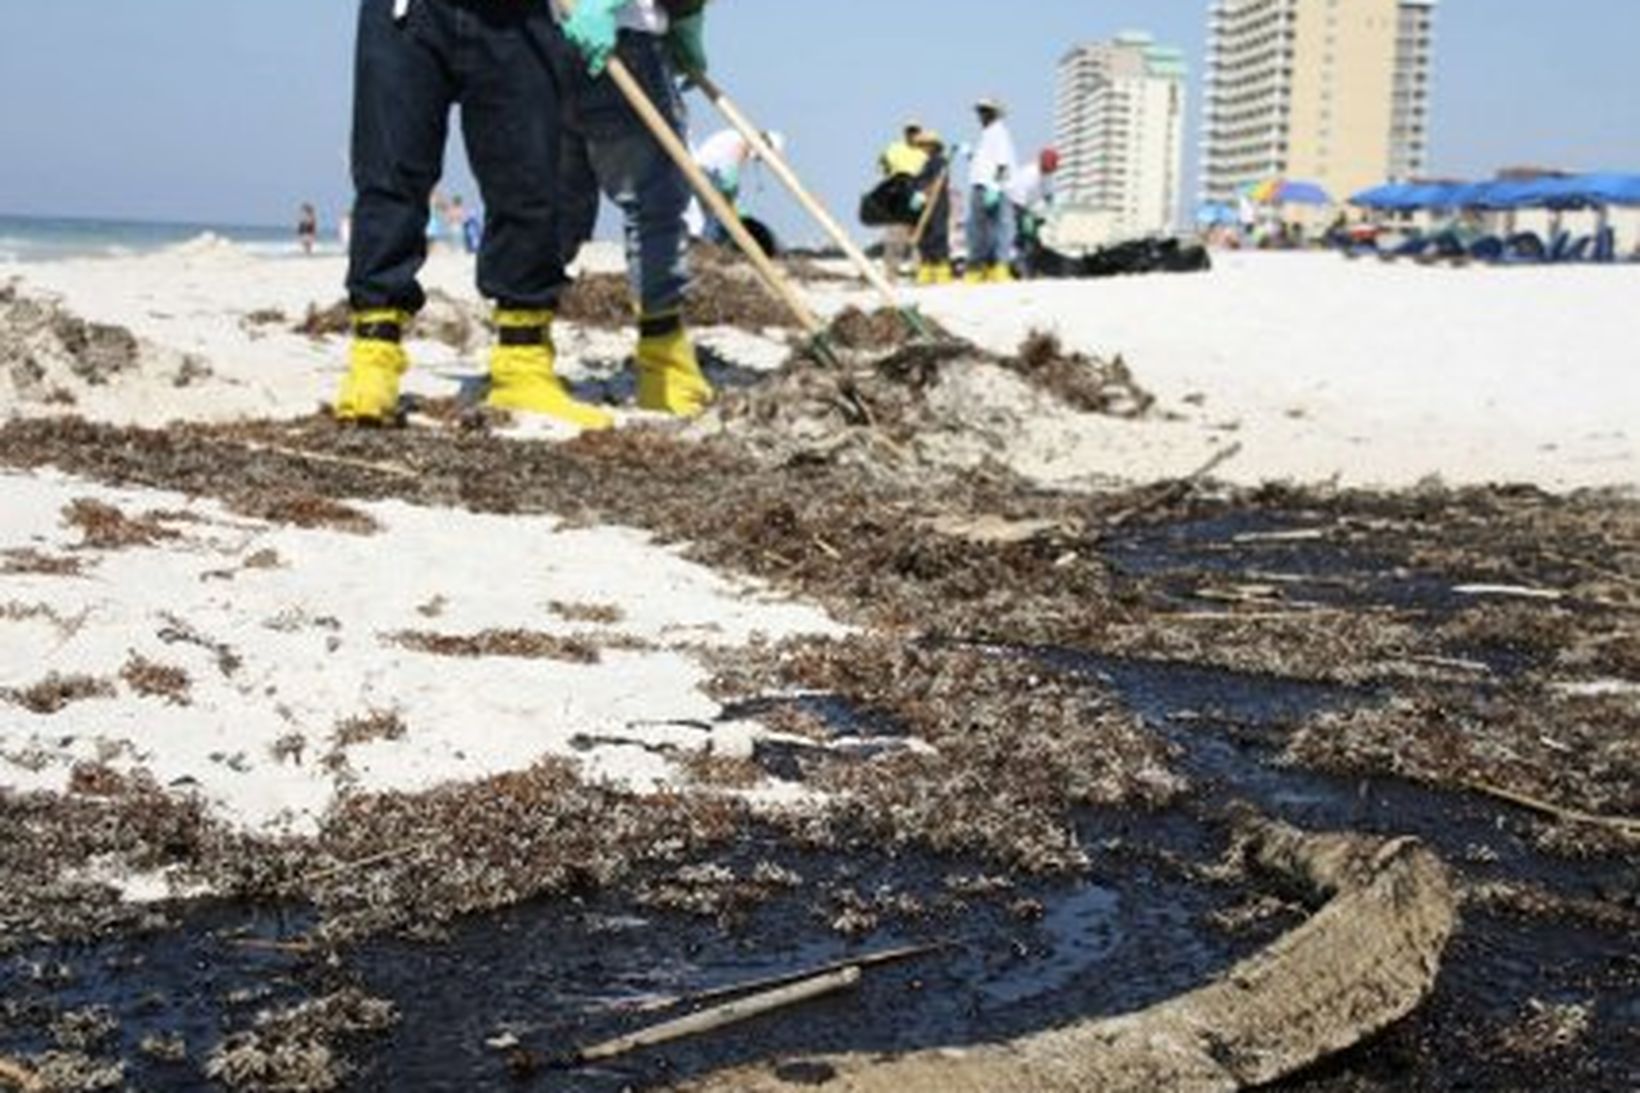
[
  {"x": 1627, "y": 825},
  {"x": 869, "y": 960},
  {"x": 393, "y": 470},
  {"x": 1171, "y": 491},
  {"x": 1365, "y": 960},
  {"x": 719, "y": 1016}
]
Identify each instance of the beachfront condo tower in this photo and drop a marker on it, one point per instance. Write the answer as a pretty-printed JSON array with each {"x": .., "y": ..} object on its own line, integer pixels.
[
  {"x": 1119, "y": 118},
  {"x": 1328, "y": 91}
]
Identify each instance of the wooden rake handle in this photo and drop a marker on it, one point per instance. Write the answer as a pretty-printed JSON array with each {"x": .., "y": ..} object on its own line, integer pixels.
[
  {"x": 783, "y": 171},
  {"x": 773, "y": 279}
]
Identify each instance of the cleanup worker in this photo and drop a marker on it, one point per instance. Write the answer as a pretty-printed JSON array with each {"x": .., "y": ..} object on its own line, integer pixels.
[
  {"x": 903, "y": 159},
  {"x": 1031, "y": 193},
  {"x": 933, "y": 185},
  {"x": 607, "y": 148},
  {"x": 415, "y": 59},
  {"x": 724, "y": 156},
  {"x": 990, "y": 235}
]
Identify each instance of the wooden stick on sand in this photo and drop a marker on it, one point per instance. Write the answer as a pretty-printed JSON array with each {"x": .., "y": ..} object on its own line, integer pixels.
[{"x": 719, "y": 1016}]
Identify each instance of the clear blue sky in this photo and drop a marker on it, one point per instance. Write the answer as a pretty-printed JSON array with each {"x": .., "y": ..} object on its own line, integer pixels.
[{"x": 237, "y": 110}]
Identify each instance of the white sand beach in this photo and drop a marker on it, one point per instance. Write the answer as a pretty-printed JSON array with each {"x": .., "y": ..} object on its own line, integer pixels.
[{"x": 1321, "y": 370}]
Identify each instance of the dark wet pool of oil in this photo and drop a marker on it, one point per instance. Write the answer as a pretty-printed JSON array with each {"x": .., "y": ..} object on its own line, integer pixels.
[{"x": 504, "y": 997}]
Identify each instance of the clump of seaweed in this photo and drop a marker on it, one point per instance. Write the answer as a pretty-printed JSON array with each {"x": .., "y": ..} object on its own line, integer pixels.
[
  {"x": 523, "y": 644},
  {"x": 369, "y": 727},
  {"x": 104, "y": 527},
  {"x": 300, "y": 1048},
  {"x": 304, "y": 510},
  {"x": 1080, "y": 382},
  {"x": 154, "y": 680},
  {"x": 56, "y": 692}
]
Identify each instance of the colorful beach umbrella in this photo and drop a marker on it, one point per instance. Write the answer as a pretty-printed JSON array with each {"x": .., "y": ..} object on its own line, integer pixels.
[{"x": 1287, "y": 191}]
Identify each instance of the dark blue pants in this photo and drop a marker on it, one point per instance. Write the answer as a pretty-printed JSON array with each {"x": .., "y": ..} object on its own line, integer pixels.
[
  {"x": 607, "y": 148},
  {"x": 493, "y": 58}
]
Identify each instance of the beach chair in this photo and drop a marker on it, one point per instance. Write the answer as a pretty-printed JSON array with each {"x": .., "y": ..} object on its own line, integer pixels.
[
  {"x": 1605, "y": 245},
  {"x": 1558, "y": 246},
  {"x": 1412, "y": 248},
  {"x": 1487, "y": 249},
  {"x": 1525, "y": 247},
  {"x": 1578, "y": 251}
]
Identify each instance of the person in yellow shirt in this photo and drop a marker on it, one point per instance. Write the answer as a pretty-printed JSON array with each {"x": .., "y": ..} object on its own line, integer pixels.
[{"x": 905, "y": 158}]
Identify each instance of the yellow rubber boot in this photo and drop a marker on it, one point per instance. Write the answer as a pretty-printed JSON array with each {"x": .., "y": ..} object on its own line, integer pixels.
[
  {"x": 925, "y": 273},
  {"x": 999, "y": 274},
  {"x": 375, "y": 361},
  {"x": 669, "y": 375},
  {"x": 522, "y": 378},
  {"x": 943, "y": 274},
  {"x": 974, "y": 276}
]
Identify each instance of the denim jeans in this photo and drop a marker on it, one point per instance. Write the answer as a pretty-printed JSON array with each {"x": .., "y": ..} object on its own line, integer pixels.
[
  {"x": 494, "y": 59},
  {"x": 606, "y": 148},
  {"x": 990, "y": 231}
]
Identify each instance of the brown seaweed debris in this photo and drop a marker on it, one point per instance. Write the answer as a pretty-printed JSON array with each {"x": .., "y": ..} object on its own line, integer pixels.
[
  {"x": 718, "y": 295},
  {"x": 46, "y": 887},
  {"x": 27, "y": 561},
  {"x": 1581, "y": 753},
  {"x": 153, "y": 680},
  {"x": 302, "y": 509},
  {"x": 369, "y": 727},
  {"x": 56, "y": 692},
  {"x": 443, "y": 319},
  {"x": 1080, "y": 382},
  {"x": 300, "y": 1048},
  {"x": 1007, "y": 750},
  {"x": 522, "y": 644},
  {"x": 495, "y": 843},
  {"x": 876, "y": 331},
  {"x": 600, "y": 614},
  {"x": 104, "y": 527}
]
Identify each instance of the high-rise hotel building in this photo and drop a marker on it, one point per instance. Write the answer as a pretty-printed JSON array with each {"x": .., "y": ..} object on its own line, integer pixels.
[
  {"x": 1119, "y": 120},
  {"x": 1328, "y": 91}
]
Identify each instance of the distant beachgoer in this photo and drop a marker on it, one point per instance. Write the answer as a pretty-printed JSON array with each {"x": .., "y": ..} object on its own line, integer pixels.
[
  {"x": 903, "y": 159},
  {"x": 724, "y": 156},
  {"x": 307, "y": 228},
  {"x": 606, "y": 149},
  {"x": 990, "y": 233},
  {"x": 1031, "y": 192},
  {"x": 933, "y": 185}
]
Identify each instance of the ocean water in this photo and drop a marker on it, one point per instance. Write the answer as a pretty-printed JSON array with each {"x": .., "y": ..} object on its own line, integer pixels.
[{"x": 45, "y": 239}]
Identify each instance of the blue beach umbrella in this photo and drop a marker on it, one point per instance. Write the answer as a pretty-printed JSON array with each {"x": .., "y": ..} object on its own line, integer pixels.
[
  {"x": 1390, "y": 196},
  {"x": 1607, "y": 188}
]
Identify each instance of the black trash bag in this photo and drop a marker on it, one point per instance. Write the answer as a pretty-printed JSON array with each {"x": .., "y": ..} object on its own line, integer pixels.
[
  {"x": 762, "y": 235},
  {"x": 1191, "y": 259},
  {"x": 1047, "y": 262},
  {"x": 889, "y": 203}
]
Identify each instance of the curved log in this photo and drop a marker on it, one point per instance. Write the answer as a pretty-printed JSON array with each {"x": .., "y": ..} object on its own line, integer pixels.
[{"x": 1363, "y": 961}]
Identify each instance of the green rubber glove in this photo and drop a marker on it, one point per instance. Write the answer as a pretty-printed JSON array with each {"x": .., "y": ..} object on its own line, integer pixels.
[
  {"x": 993, "y": 198},
  {"x": 688, "y": 41},
  {"x": 592, "y": 31},
  {"x": 919, "y": 201},
  {"x": 728, "y": 181}
]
